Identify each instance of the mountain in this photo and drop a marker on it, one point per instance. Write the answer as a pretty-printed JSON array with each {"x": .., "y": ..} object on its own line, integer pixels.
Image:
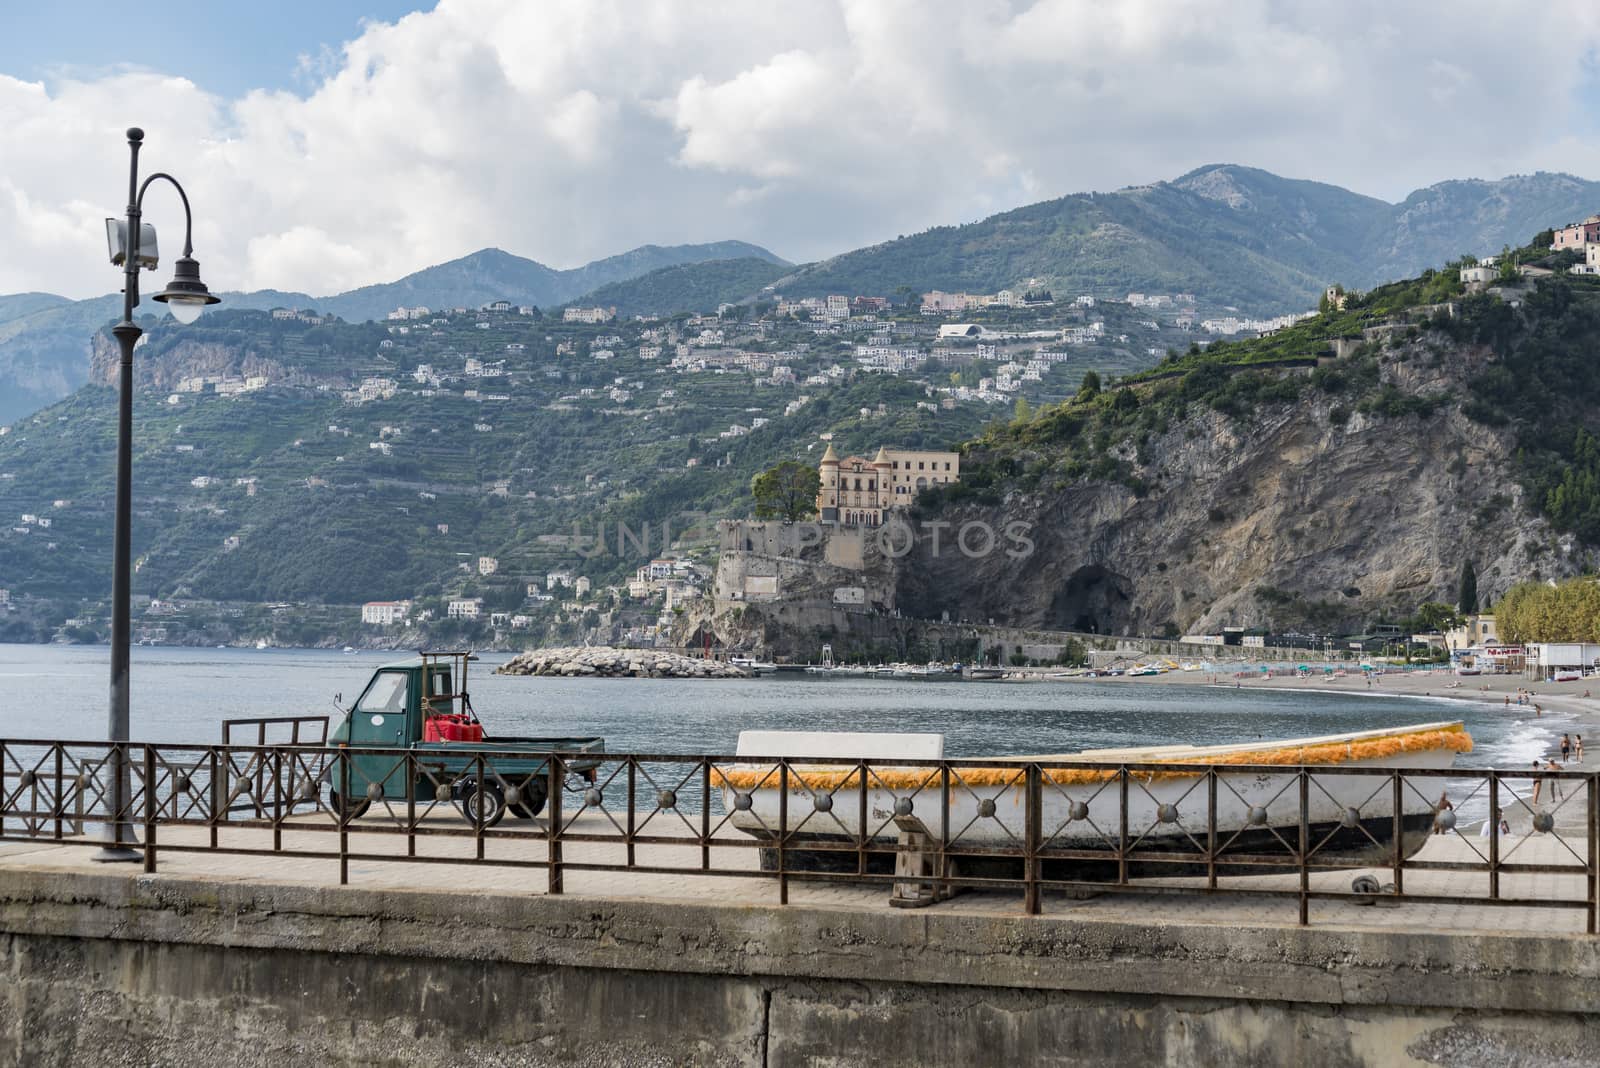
[
  {"x": 45, "y": 339},
  {"x": 1233, "y": 236},
  {"x": 17, "y": 305},
  {"x": 690, "y": 287},
  {"x": 1321, "y": 480},
  {"x": 44, "y": 352},
  {"x": 487, "y": 434},
  {"x": 492, "y": 274}
]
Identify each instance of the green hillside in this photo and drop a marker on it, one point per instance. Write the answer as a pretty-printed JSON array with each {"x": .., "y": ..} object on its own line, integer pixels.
[
  {"x": 512, "y": 462},
  {"x": 1541, "y": 382},
  {"x": 1231, "y": 235},
  {"x": 689, "y": 287}
]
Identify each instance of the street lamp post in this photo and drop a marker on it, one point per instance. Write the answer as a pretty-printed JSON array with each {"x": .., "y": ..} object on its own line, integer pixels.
[{"x": 185, "y": 296}]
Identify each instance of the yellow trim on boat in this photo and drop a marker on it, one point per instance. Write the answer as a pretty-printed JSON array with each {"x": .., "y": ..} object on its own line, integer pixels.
[{"x": 824, "y": 777}]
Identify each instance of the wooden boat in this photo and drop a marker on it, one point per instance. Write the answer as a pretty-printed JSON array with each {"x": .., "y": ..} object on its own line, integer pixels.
[{"x": 1350, "y": 817}]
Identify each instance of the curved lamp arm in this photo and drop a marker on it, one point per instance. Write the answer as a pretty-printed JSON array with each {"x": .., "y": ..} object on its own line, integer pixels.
[{"x": 188, "y": 219}]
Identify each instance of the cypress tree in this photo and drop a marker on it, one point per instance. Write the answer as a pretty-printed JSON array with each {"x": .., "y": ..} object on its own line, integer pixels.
[{"x": 1467, "y": 601}]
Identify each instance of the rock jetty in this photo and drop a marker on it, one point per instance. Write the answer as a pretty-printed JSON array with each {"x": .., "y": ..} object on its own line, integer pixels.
[{"x": 606, "y": 662}]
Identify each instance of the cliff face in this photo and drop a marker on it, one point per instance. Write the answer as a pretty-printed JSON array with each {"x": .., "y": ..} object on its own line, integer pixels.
[
  {"x": 1295, "y": 518},
  {"x": 189, "y": 359}
]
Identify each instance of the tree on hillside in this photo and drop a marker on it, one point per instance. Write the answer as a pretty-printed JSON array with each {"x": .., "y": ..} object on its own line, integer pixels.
[
  {"x": 1436, "y": 616},
  {"x": 788, "y": 491},
  {"x": 1467, "y": 596},
  {"x": 1091, "y": 386},
  {"x": 1023, "y": 410}
]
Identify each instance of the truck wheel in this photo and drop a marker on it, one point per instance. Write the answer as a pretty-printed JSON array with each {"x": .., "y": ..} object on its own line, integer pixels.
[
  {"x": 345, "y": 811},
  {"x": 488, "y": 797},
  {"x": 533, "y": 799}
]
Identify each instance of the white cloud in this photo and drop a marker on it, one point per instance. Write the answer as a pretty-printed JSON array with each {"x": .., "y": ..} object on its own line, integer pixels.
[{"x": 573, "y": 129}]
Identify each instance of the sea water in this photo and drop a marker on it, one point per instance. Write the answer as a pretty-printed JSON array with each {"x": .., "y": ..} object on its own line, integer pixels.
[{"x": 182, "y": 695}]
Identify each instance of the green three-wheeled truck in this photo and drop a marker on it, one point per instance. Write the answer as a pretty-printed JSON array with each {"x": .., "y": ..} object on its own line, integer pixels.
[{"x": 421, "y": 706}]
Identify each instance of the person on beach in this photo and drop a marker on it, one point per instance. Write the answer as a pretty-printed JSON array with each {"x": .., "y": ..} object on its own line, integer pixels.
[
  {"x": 1537, "y": 711},
  {"x": 1442, "y": 807},
  {"x": 1537, "y": 784},
  {"x": 1505, "y": 827},
  {"x": 1578, "y": 748},
  {"x": 1508, "y": 700},
  {"x": 1566, "y": 748},
  {"x": 1555, "y": 784}
]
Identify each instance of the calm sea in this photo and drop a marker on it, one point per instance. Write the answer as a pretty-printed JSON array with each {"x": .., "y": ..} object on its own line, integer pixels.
[{"x": 181, "y": 695}]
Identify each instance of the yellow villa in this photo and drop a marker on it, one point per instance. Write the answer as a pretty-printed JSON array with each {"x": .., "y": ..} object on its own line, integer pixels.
[{"x": 859, "y": 492}]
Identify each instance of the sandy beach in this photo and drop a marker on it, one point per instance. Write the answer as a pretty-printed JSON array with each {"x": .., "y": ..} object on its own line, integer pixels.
[{"x": 1567, "y": 697}]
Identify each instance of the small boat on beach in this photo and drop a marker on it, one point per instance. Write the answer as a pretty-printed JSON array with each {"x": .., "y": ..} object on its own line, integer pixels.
[{"x": 1350, "y": 817}]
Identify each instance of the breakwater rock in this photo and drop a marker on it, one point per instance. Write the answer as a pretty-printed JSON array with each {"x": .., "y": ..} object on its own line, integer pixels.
[{"x": 606, "y": 662}]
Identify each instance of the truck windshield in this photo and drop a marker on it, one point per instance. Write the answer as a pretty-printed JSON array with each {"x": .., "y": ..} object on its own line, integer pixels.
[{"x": 387, "y": 694}]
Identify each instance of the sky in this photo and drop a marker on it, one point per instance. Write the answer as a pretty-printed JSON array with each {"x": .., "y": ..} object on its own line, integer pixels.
[{"x": 340, "y": 143}]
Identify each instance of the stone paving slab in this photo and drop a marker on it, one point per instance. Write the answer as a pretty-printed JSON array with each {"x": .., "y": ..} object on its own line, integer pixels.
[{"x": 382, "y": 862}]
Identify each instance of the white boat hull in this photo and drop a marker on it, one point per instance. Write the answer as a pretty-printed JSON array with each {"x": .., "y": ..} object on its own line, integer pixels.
[{"x": 1082, "y": 808}]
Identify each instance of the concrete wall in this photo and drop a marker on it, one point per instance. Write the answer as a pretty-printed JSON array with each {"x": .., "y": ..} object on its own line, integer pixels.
[{"x": 121, "y": 969}]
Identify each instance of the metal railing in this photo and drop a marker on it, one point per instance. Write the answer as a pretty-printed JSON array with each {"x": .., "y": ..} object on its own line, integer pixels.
[{"x": 922, "y": 828}]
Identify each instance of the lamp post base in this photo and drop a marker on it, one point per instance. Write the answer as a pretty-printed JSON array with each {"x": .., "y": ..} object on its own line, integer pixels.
[
  {"x": 116, "y": 855},
  {"x": 123, "y": 849}
]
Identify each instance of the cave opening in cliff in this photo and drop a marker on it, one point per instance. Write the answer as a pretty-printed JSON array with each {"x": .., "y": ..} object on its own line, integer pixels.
[{"x": 1092, "y": 600}]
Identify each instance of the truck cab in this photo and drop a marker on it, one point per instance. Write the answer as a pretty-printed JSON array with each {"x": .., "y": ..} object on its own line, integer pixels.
[{"x": 412, "y": 735}]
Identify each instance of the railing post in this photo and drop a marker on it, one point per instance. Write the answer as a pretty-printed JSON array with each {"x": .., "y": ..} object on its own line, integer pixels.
[
  {"x": 2, "y": 789},
  {"x": 1211, "y": 828},
  {"x": 60, "y": 778},
  {"x": 944, "y": 826},
  {"x": 1305, "y": 847},
  {"x": 481, "y": 788},
  {"x": 783, "y": 831},
  {"x": 633, "y": 789},
  {"x": 1494, "y": 834},
  {"x": 1122, "y": 827},
  {"x": 705, "y": 815},
  {"x": 1594, "y": 853},
  {"x": 277, "y": 800},
  {"x": 344, "y": 817},
  {"x": 149, "y": 809},
  {"x": 1031, "y": 835},
  {"x": 411, "y": 804},
  {"x": 1399, "y": 832},
  {"x": 553, "y": 835},
  {"x": 862, "y": 844}
]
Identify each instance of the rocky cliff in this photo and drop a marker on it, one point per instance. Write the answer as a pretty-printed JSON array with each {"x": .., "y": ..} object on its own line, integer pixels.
[
  {"x": 1320, "y": 513},
  {"x": 1236, "y": 489}
]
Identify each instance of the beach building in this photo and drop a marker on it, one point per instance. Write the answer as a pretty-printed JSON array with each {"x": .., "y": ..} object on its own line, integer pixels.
[
  {"x": 1550, "y": 659},
  {"x": 1476, "y": 629}
]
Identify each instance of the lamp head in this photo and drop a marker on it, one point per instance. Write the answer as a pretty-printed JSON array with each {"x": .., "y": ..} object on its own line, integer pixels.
[{"x": 186, "y": 296}]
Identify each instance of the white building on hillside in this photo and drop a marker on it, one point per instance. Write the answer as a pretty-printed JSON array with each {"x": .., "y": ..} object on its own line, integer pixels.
[{"x": 385, "y": 613}]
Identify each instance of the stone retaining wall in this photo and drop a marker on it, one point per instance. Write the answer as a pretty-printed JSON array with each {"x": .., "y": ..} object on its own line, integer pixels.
[{"x": 125, "y": 969}]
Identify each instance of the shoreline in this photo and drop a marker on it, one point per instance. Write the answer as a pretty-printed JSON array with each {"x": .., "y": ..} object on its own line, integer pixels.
[{"x": 1565, "y": 697}]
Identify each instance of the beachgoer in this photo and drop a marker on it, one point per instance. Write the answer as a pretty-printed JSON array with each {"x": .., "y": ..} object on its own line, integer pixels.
[
  {"x": 1508, "y": 700},
  {"x": 1566, "y": 748},
  {"x": 1578, "y": 748},
  {"x": 1537, "y": 711},
  {"x": 1505, "y": 827},
  {"x": 1442, "y": 807},
  {"x": 1555, "y": 784},
  {"x": 1537, "y": 784}
]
